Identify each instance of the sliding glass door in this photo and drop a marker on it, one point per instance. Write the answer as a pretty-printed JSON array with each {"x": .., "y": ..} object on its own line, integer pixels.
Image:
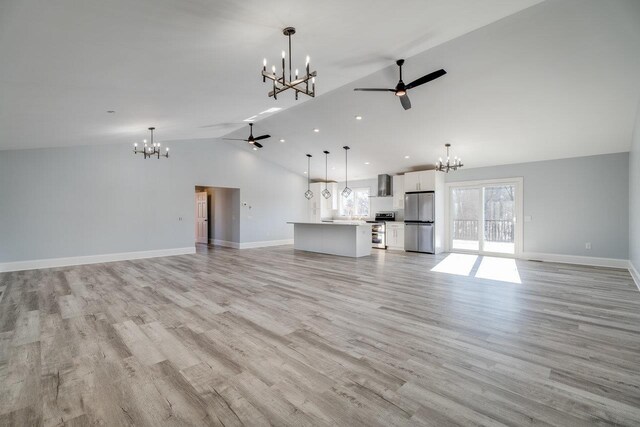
[{"x": 482, "y": 218}]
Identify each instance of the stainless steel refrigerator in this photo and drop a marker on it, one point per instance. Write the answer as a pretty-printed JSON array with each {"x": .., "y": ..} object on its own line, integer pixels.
[{"x": 419, "y": 215}]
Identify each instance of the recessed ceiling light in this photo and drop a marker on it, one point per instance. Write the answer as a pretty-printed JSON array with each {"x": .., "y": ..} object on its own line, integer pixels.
[
  {"x": 358, "y": 117},
  {"x": 305, "y": 172},
  {"x": 316, "y": 130},
  {"x": 255, "y": 148},
  {"x": 366, "y": 163},
  {"x": 406, "y": 157},
  {"x": 333, "y": 168},
  {"x": 282, "y": 140}
]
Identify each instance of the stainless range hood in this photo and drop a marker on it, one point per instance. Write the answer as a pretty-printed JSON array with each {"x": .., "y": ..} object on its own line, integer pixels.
[{"x": 384, "y": 185}]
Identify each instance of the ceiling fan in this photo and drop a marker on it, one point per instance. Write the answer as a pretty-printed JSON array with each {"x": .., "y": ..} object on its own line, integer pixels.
[
  {"x": 401, "y": 89},
  {"x": 251, "y": 140}
]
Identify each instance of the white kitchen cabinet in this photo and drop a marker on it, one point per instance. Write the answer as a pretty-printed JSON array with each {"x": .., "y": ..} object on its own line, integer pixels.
[
  {"x": 395, "y": 236},
  {"x": 398, "y": 192},
  {"x": 420, "y": 181}
]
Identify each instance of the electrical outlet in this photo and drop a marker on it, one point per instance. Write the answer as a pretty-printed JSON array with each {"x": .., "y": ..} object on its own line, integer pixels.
[{"x": 587, "y": 245}]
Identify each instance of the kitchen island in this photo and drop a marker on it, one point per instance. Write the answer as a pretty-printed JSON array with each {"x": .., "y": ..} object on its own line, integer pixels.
[{"x": 350, "y": 239}]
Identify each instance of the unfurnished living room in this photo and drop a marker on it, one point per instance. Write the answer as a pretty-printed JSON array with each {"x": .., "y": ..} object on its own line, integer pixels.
[{"x": 338, "y": 213}]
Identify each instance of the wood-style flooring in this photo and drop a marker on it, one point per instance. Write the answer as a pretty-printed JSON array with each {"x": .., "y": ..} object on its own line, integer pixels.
[{"x": 275, "y": 336}]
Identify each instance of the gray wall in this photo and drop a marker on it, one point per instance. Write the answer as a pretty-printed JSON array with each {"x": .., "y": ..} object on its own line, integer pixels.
[
  {"x": 571, "y": 202},
  {"x": 226, "y": 213},
  {"x": 634, "y": 196},
  {"x": 76, "y": 201}
]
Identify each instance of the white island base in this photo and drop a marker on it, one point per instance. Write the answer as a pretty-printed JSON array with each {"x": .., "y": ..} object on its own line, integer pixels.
[{"x": 334, "y": 238}]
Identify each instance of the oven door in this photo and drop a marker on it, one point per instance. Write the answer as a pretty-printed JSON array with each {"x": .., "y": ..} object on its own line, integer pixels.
[{"x": 378, "y": 236}]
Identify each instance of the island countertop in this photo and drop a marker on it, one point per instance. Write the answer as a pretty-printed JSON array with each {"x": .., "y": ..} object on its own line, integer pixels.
[{"x": 330, "y": 222}]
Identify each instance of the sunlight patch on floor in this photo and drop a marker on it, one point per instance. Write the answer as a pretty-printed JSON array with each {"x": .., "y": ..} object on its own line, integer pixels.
[
  {"x": 459, "y": 264},
  {"x": 501, "y": 269}
]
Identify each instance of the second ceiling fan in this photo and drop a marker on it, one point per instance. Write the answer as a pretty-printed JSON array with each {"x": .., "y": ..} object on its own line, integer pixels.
[
  {"x": 401, "y": 89},
  {"x": 251, "y": 140}
]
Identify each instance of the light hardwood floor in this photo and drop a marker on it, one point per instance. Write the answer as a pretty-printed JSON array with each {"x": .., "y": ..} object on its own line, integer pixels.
[{"x": 274, "y": 336}]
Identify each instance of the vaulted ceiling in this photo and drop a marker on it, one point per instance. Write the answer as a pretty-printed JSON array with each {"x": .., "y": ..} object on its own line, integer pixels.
[
  {"x": 192, "y": 67},
  {"x": 527, "y": 80}
]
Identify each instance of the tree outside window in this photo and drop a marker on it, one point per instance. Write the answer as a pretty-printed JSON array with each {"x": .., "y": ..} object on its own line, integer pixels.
[{"x": 357, "y": 204}]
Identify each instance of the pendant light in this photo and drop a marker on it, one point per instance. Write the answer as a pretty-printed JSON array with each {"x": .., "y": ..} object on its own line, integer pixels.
[
  {"x": 326, "y": 193},
  {"x": 347, "y": 190},
  {"x": 308, "y": 194}
]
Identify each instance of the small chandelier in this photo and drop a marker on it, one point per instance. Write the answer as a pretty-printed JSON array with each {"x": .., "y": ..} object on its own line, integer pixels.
[
  {"x": 326, "y": 193},
  {"x": 347, "y": 190},
  {"x": 151, "y": 150},
  {"x": 446, "y": 167},
  {"x": 308, "y": 194},
  {"x": 280, "y": 83}
]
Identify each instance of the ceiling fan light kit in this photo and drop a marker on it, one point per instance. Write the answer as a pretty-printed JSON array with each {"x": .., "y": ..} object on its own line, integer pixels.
[
  {"x": 152, "y": 149},
  {"x": 280, "y": 82},
  {"x": 446, "y": 167},
  {"x": 401, "y": 89}
]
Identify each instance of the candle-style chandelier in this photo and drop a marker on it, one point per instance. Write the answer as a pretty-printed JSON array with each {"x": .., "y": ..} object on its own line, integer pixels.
[
  {"x": 280, "y": 82},
  {"x": 446, "y": 167},
  {"x": 151, "y": 149}
]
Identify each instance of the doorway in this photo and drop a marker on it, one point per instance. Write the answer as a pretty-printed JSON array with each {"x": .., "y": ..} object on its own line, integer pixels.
[
  {"x": 217, "y": 216},
  {"x": 485, "y": 217}
]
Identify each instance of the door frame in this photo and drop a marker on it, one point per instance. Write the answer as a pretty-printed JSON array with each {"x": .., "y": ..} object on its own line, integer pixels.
[{"x": 519, "y": 225}]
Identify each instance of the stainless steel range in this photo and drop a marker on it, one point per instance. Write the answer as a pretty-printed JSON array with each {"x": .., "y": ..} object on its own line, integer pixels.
[{"x": 379, "y": 229}]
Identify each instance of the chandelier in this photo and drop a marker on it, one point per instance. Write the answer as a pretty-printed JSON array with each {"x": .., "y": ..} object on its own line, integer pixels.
[
  {"x": 446, "y": 167},
  {"x": 151, "y": 150},
  {"x": 280, "y": 82}
]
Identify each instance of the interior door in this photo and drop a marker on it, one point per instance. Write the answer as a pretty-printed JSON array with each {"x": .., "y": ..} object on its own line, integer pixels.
[{"x": 202, "y": 218}]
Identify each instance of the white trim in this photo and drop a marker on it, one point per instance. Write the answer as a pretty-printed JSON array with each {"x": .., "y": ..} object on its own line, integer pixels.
[
  {"x": 519, "y": 227},
  {"x": 266, "y": 243},
  {"x": 251, "y": 245},
  {"x": 224, "y": 243},
  {"x": 92, "y": 259},
  {"x": 634, "y": 274},
  {"x": 577, "y": 259}
]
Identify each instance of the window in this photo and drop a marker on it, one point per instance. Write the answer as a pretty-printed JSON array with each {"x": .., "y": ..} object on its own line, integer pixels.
[{"x": 357, "y": 204}]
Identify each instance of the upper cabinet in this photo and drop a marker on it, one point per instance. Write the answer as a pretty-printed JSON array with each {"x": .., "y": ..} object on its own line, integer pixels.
[
  {"x": 398, "y": 192},
  {"x": 420, "y": 181}
]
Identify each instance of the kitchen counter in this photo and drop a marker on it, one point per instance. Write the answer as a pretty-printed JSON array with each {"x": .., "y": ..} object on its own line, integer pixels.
[{"x": 350, "y": 239}]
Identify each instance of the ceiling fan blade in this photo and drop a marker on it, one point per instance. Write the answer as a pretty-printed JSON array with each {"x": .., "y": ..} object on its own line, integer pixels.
[
  {"x": 370, "y": 89},
  {"x": 257, "y": 144},
  {"x": 424, "y": 79},
  {"x": 258, "y": 138},
  {"x": 236, "y": 139},
  {"x": 406, "y": 103}
]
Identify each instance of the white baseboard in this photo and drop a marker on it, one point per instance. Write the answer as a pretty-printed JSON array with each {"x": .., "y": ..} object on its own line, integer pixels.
[
  {"x": 576, "y": 259},
  {"x": 224, "y": 243},
  {"x": 92, "y": 259},
  {"x": 266, "y": 243},
  {"x": 251, "y": 245},
  {"x": 635, "y": 275}
]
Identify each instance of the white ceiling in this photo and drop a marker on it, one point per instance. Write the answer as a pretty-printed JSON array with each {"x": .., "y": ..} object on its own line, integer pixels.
[
  {"x": 560, "y": 79},
  {"x": 191, "y": 67},
  {"x": 551, "y": 80}
]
